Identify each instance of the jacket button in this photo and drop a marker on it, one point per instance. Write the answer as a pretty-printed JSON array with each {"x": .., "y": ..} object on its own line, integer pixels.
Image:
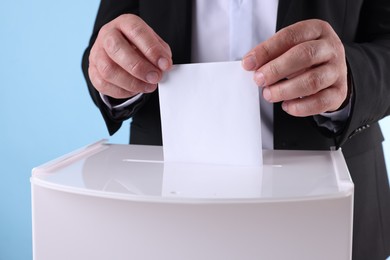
[{"x": 358, "y": 130}]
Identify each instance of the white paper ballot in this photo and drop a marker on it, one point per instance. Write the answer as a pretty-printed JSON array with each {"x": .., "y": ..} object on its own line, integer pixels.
[{"x": 210, "y": 113}]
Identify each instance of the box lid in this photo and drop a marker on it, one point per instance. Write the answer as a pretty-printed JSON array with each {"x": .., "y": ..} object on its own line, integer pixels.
[{"x": 137, "y": 172}]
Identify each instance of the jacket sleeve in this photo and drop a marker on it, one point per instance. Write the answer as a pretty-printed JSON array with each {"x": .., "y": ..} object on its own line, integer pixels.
[
  {"x": 368, "y": 59},
  {"x": 109, "y": 10}
]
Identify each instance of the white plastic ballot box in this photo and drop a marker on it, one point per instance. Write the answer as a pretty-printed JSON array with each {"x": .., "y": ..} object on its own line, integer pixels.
[{"x": 110, "y": 201}]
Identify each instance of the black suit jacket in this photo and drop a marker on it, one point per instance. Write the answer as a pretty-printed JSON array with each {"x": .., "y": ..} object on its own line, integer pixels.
[{"x": 364, "y": 28}]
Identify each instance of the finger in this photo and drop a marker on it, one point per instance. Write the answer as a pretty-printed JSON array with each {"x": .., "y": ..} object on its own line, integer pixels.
[
  {"x": 284, "y": 40},
  {"x": 127, "y": 57},
  {"x": 105, "y": 87},
  {"x": 117, "y": 76},
  {"x": 115, "y": 91},
  {"x": 298, "y": 58},
  {"x": 147, "y": 41},
  {"x": 308, "y": 83},
  {"x": 326, "y": 100}
]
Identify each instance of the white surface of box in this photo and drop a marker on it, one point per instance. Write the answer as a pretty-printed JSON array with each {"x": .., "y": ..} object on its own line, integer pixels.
[{"x": 109, "y": 201}]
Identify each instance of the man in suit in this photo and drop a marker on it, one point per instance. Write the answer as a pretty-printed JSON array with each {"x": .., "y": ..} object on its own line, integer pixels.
[{"x": 326, "y": 56}]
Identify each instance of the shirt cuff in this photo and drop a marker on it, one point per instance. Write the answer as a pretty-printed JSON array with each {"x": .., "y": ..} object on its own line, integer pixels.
[{"x": 334, "y": 121}]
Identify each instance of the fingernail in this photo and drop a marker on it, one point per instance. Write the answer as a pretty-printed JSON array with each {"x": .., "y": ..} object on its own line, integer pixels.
[
  {"x": 149, "y": 88},
  {"x": 259, "y": 79},
  {"x": 285, "y": 106},
  {"x": 152, "y": 77},
  {"x": 163, "y": 63},
  {"x": 267, "y": 94},
  {"x": 249, "y": 62}
]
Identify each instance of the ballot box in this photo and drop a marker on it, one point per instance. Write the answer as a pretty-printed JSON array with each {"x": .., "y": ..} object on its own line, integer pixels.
[{"x": 111, "y": 201}]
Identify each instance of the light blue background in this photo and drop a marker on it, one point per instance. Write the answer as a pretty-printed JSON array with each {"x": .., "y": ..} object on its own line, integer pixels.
[{"x": 45, "y": 108}]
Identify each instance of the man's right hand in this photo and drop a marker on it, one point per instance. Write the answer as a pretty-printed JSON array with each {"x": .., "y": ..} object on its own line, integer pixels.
[{"x": 128, "y": 58}]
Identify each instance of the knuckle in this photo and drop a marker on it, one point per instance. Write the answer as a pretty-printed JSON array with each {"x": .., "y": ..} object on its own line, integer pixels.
[
  {"x": 137, "y": 29},
  {"x": 293, "y": 37},
  {"x": 167, "y": 47},
  {"x": 153, "y": 50},
  {"x": 339, "y": 49},
  {"x": 106, "y": 70},
  {"x": 274, "y": 69},
  {"x": 103, "y": 30},
  {"x": 265, "y": 52},
  {"x": 325, "y": 25},
  {"x": 126, "y": 19},
  {"x": 309, "y": 52},
  {"x": 112, "y": 43},
  {"x": 313, "y": 83},
  {"x": 136, "y": 67}
]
